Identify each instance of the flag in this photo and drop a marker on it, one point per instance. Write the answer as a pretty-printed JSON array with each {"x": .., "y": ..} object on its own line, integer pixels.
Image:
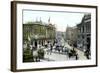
[
  {"x": 29, "y": 38},
  {"x": 49, "y": 20}
]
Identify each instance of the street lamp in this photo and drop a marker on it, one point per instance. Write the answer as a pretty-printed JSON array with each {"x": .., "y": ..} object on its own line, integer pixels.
[{"x": 36, "y": 36}]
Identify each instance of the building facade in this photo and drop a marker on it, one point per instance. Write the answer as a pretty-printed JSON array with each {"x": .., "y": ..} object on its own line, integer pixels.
[
  {"x": 84, "y": 34},
  {"x": 38, "y": 33},
  {"x": 60, "y": 38},
  {"x": 71, "y": 36}
]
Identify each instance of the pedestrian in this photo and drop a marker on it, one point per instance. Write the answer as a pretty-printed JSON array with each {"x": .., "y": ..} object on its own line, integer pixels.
[
  {"x": 73, "y": 51},
  {"x": 51, "y": 48},
  {"x": 86, "y": 53},
  {"x": 76, "y": 56},
  {"x": 58, "y": 48},
  {"x": 48, "y": 49}
]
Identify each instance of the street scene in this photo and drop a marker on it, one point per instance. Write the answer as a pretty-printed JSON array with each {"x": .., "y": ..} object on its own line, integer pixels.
[{"x": 56, "y": 36}]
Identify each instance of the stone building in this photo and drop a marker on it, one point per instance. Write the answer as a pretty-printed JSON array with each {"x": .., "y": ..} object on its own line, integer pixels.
[
  {"x": 60, "y": 38},
  {"x": 71, "y": 36},
  {"x": 84, "y": 34},
  {"x": 38, "y": 33}
]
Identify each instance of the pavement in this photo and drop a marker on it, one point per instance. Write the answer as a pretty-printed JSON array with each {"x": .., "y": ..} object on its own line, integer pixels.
[{"x": 56, "y": 56}]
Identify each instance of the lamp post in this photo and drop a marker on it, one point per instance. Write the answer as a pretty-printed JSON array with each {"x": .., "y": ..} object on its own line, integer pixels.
[
  {"x": 36, "y": 36},
  {"x": 36, "y": 44}
]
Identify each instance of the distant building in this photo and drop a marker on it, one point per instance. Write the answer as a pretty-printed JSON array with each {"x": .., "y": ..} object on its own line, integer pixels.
[
  {"x": 71, "y": 36},
  {"x": 84, "y": 35},
  {"x": 60, "y": 37},
  {"x": 35, "y": 33}
]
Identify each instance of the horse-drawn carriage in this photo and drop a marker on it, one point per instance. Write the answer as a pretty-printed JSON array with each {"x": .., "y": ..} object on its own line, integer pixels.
[{"x": 72, "y": 53}]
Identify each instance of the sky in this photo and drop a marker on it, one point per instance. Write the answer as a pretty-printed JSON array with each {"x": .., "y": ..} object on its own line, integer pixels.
[{"x": 60, "y": 19}]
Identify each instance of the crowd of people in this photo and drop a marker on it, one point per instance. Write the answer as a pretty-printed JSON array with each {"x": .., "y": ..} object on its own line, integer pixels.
[{"x": 50, "y": 47}]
